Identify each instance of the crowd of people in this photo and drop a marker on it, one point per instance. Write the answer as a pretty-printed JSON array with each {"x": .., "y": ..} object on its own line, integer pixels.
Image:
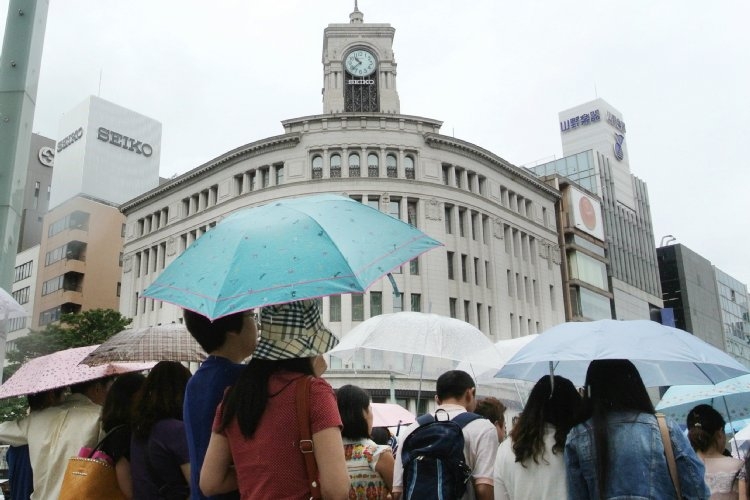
[{"x": 274, "y": 428}]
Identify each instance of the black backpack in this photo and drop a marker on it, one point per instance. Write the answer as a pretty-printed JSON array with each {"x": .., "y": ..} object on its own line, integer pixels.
[{"x": 433, "y": 458}]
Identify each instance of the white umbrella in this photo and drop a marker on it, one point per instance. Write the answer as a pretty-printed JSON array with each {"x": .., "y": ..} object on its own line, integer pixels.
[
  {"x": 432, "y": 337},
  {"x": 731, "y": 398},
  {"x": 9, "y": 307},
  {"x": 415, "y": 333},
  {"x": 485, "y": 365},
  {"x": 662, "y": 354}
]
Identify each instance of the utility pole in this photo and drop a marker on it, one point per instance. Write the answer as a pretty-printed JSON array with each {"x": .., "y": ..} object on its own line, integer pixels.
[{"x": 20, "y": 61}]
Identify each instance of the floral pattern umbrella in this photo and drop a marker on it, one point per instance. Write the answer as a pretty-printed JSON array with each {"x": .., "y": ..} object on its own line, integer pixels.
[
  {"x": 731, "y": 398},
  {"x": 61, "y": 369}
]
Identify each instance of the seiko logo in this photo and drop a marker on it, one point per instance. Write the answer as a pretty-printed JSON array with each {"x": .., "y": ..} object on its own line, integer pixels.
[
  {"x": 124, "y": 142},
  {"x": 67, "y": 141},
  {"x": 360, "y": 82},
  {"x": 47, "y": 156}
]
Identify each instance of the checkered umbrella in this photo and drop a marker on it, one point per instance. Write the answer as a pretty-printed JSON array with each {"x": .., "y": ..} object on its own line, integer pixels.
[{"x": 152, "y": 343}]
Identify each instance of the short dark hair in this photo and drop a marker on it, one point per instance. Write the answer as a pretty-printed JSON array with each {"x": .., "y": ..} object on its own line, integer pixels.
[
  {"x": 211, "y": 335},
  {"x": 352, "y": 402},
  {"x": 453, "y": 384},
  {"x": 491, "y": 409}
]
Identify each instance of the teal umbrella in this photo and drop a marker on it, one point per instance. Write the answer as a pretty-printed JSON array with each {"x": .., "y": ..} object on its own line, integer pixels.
[{"x": 287, "y": 250}]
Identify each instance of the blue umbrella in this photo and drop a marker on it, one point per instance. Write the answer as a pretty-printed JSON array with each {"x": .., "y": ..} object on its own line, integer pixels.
[
  {"x": 288, "y": 250},
  {"x": 662, "y": 354},
  {"x": 731, "y": 398}
]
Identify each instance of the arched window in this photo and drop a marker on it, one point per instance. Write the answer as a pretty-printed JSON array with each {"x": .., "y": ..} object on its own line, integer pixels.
[
  {"x": 354, "y": 165},
  {"x": 391, "y": 166},
  {"x": 409, "y": 167},
  {"x": 317, "y": 167},
  {"x": 336, "y": 165},
  {"x": 373, "y": 168}
]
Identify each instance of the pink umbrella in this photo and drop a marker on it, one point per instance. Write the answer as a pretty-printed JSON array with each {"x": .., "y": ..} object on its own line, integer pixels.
[
  {"x": 61, "y": 369},
  {"x": 391, "y": 415}
]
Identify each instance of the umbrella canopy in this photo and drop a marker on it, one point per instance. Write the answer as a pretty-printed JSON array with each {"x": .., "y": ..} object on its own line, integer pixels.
[
  {"x": 663, "y": 355},
  {"x": 288, "y": 250},
  {"x": 61, "y": 369},
  {"x": 391, "y": 415},
  {"x": 731, "y": 398},
  {"x": 9, "y": 307},
  {"x": 429, "y": 335},
  {"x": 170, "y": 342},
  {"x": 486, "y": 364}
]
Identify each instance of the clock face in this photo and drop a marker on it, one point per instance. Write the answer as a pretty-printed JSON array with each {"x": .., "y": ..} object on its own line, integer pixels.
[{"x": 360, "y": 63}]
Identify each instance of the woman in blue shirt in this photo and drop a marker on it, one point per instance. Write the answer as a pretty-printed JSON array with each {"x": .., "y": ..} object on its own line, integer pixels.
[{"x": 616, "y": 450}]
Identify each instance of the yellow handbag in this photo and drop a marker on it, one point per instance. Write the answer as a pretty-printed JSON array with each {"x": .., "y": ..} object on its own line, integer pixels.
[{"x": 90, "y": 478}]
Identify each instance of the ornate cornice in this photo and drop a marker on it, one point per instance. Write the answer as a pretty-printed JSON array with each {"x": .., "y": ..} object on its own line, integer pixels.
[
  {"x": 475, "y": 152},
  {"x": 256, "y": 148}
]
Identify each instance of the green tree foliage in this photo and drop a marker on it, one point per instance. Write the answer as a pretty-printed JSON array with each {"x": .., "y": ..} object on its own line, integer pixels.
[{"x": 73, "y": 330}]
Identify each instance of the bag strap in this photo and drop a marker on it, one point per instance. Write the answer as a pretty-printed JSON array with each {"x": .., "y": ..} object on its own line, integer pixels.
[
  {"x": 104, "y": 438},
  {"x": 669, "y": 452},
  {"x": 306, "y": 442}
]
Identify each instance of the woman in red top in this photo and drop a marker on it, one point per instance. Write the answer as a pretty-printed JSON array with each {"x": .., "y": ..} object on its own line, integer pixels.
[{"x": 254, "y": 446}]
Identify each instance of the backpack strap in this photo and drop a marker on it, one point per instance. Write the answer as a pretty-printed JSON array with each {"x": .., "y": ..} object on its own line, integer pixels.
[{"x": 465, "y": 418}]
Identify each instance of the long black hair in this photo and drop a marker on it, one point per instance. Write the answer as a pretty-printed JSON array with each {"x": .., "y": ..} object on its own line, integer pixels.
[
  {"x": 160, "y": 397},
  {"x": 559, "y": 406},
  {"x": 611, "y": 385},
  {"x": 119, "y": 402},
  {"x": 353, "y": 402},
  {"x": 248, "y": 397}
]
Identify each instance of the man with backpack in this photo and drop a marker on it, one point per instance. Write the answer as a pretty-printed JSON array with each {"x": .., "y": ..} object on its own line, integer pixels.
[{"x": 449, "y": 454}]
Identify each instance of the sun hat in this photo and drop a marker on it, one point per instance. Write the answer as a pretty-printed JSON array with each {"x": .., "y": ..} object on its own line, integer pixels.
[{"x": 293, "y": 330}]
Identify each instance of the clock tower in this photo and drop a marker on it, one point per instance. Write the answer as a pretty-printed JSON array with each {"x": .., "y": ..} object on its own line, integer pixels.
[{"x": 359, "y": 70}]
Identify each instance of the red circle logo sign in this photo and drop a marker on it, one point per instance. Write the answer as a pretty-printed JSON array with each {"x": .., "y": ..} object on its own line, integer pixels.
[{"x": 588, "y": 215}]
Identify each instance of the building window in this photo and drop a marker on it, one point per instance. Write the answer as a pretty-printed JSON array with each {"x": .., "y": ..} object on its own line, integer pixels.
[
  {"x": 279, "y": 174},
  {"x": 452, "y": 307},
  {"x": 479, "y": 316},
  {"x": 474, "y": 225},
  {"x": 317, "y": 167},
  {"x": 461, "y": 226},
  {"x": 391, "y": 166},
  {"x": 335, "y": 165},
  {"x": 376, "y": 303},
  {"x": 414, "y": 267},
  {"x": 476, "y": 271},
  {"x": 398, "y": 302},
  {"x": 451, "y": 274},
  {"x": 467, "y": 308},
  {"x": 334, "y": 307},
  {"x": 411, "y": 213},
  {"x": 394, "y": 208},
  {"x": 23, "y": 271},
  {"x": 409, "y": 167},
  {"x": 416, "y": 302},
  {"x": 119, "y": 288},
  {"x": 22, "y": 295},
  {"x": 358, "y": 307},
  {"x": 119, "y": 262},
  {"x": 373, "y": 166},
  {"x": 448, "y": 219},
  {"x": 509, "y": 278},
  {"x": 50, "y": 315},
  {"x": 354, "y": 165},
  {"x": 464, "y": 273},
  {"x": 487, "y": 275},
  {"x": 37, "y": 185}
]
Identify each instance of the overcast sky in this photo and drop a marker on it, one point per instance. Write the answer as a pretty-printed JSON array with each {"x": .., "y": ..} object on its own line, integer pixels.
[{"x": 221, "y": 74}]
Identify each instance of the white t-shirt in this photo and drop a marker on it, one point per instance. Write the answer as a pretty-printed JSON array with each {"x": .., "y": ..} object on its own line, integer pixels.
[
  {"x": 543, "y": 480},
  {"x": 480, "y": 447}
]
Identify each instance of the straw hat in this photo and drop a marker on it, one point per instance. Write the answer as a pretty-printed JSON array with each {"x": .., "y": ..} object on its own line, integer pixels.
[{"x": 293, "y": 330}]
